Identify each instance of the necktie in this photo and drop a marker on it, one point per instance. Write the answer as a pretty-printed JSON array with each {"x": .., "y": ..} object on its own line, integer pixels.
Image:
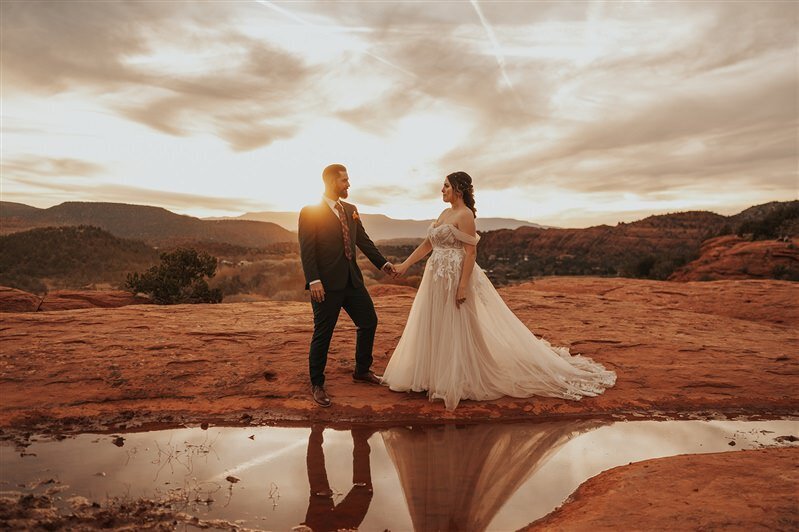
[{"x": 345, "y": 231}]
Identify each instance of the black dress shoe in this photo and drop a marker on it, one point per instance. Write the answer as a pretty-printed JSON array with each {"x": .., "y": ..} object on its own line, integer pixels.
[
  {"x": 369, "y": 377},
  {"x": 320, "y": 396}
]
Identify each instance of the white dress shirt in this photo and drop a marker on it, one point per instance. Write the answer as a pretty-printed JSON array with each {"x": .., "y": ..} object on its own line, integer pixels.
[{"x": 332, "y": 204}]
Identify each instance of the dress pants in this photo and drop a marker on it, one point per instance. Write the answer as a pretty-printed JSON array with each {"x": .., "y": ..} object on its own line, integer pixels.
[{"x": 358, "y": 304}]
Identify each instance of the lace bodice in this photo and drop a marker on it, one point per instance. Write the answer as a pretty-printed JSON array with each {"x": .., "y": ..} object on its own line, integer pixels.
[
  {"x": 446, "y": 260},
  {"x": 447, "y": 236}
]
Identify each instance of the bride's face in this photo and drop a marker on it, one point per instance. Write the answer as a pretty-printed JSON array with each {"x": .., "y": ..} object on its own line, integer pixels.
[{"x": 446, "y": 191}]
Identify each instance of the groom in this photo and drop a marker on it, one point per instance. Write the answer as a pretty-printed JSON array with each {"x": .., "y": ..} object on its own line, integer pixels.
[{"x": 328, "y": 233}]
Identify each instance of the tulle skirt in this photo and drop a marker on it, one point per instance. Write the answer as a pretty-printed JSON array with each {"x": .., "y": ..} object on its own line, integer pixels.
[{"x": 480, "y": 351}]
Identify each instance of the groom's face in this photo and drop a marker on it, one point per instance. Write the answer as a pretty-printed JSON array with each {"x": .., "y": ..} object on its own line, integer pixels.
[{"x": 341, "y": 184}]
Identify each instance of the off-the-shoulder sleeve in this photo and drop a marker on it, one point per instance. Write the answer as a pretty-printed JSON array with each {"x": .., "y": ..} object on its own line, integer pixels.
[{"x": 465, "y": 238}]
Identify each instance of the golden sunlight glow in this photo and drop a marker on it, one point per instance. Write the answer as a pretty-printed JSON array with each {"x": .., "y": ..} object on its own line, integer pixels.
[{"x": 564, "y": 114}]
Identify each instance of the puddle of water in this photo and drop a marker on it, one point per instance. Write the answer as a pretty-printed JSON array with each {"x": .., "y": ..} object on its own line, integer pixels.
[{"x": 469, "y": 477}]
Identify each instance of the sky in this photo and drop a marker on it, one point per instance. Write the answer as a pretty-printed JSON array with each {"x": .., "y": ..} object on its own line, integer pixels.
[{"x": 568, "y": 114}]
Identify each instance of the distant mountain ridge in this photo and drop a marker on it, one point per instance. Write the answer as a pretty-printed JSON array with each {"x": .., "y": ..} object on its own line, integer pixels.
[
  {"x": 653, "y": 247},
  {"x": 154, "y": 225},
  {"x": 35, "y": 254},
  {"x": 10, "y": 208},
  {"x": 382, "y": 227}
]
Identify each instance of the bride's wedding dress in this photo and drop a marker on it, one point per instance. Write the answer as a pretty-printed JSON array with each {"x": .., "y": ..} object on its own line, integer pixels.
[{"x": 481, "y": 350}]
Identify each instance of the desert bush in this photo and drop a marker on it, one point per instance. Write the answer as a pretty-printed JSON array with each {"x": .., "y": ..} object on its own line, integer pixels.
[
  {"x": 180, "y": 278},
  {"x": 644, "y": 266}
]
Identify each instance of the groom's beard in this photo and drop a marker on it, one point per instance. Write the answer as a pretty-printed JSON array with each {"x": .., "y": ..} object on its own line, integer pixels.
[{"x": 343, "y": 193}]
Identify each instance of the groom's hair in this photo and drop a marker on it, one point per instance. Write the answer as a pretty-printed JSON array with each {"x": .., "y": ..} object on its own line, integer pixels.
[{"x": 330, "y": 173}]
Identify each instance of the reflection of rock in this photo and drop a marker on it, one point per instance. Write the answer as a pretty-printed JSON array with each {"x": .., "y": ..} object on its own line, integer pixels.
[{"x": 458, "y": 477}]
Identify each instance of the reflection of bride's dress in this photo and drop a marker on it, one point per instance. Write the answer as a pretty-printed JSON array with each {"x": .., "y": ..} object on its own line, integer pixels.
[
  {"x": 459, "y": 477},
  {"x": 481, "y": 350}
]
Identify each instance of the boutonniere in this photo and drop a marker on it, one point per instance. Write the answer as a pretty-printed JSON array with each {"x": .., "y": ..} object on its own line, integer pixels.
[{"x": 355, "y": 216}]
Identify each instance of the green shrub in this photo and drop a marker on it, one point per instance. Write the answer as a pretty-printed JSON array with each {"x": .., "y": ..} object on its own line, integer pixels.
[{"x": 180, "y": 278}]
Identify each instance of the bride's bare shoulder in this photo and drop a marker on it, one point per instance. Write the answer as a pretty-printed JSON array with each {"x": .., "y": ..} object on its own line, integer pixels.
[{"x": 464, "y": 221}]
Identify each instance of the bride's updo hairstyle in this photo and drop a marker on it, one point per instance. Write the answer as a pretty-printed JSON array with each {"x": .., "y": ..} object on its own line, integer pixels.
[{"x": 462, "y": 183}]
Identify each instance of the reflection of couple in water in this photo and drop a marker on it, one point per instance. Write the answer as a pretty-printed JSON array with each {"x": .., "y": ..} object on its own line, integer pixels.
[
  {"x": 453, "y": 477},
  {"x": 323, "y": 514}
]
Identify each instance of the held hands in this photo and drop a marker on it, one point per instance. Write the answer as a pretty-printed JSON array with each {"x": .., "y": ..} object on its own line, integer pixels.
[
  {"x": 401, "y": 270},
  {"x": 390, "y": 269}
]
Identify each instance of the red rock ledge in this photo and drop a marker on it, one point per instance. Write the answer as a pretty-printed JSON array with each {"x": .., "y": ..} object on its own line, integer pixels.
[
  {"x": 688, "y": 349},
  {"x": 740, "y": 490}
]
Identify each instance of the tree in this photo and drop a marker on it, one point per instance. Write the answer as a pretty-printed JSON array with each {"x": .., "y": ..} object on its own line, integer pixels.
[{"x": 180, "y": 278}]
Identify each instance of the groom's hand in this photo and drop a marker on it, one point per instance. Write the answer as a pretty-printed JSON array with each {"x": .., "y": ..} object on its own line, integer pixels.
[
  {"x": 317, "y": 292},
  {"x": 390, "y": 269}
]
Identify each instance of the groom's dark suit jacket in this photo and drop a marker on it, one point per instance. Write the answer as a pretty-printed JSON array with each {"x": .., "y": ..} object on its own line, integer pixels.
[{"x": 322, "y": 247}]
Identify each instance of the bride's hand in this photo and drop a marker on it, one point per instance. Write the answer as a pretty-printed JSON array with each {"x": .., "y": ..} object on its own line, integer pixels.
[
  {"x": 460, "y": 296},
  {"x": 401, "y": 270}
]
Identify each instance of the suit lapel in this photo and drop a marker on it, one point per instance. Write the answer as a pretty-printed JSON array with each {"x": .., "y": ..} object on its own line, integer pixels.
[
  {"x": 329, "y": 215},
  {"x": 333, "y": 218}
]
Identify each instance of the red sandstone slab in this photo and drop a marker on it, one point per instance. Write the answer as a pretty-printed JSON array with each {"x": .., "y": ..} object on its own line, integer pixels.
[
  {"x": 727, "y": 347},
  {"x": 742, "y": 490}
]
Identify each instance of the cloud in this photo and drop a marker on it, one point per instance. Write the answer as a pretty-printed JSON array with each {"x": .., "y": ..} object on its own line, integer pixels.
[
  {"x": 75, "y": 179},
  {"x": 54, "y": 47},
  {"x": 391, "y": 195},
  {"x": 457, "y": 74},
  {"x": 250, "y": 105},
  {"x": 117, "y": 193},
  {"x": 246, "y": 135},
  {"x": 33, "y": 166},
  {"x": 454, "y": 61},
  {"x": 649, "y": 98},
  {"x": 49, "y": 47},
  {"x": 380, "y": 115},
  {"x": 181, "y": 200},
  {"x": 675, "y": 139},
  {"x": 406, "y": 17},
  {"x": 605, "y": 105},
  {"x": 716, "y": 108},
  {"x": 380, "y": 195}
]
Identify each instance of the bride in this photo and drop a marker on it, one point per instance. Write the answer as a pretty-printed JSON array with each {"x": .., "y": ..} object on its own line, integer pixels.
[{"x": 461, "y": 341}]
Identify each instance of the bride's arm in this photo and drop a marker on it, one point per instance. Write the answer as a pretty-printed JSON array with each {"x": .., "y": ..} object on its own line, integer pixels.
[
  {"x": 468, "y": 226},
  {"x": 423, "y": 249}
]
